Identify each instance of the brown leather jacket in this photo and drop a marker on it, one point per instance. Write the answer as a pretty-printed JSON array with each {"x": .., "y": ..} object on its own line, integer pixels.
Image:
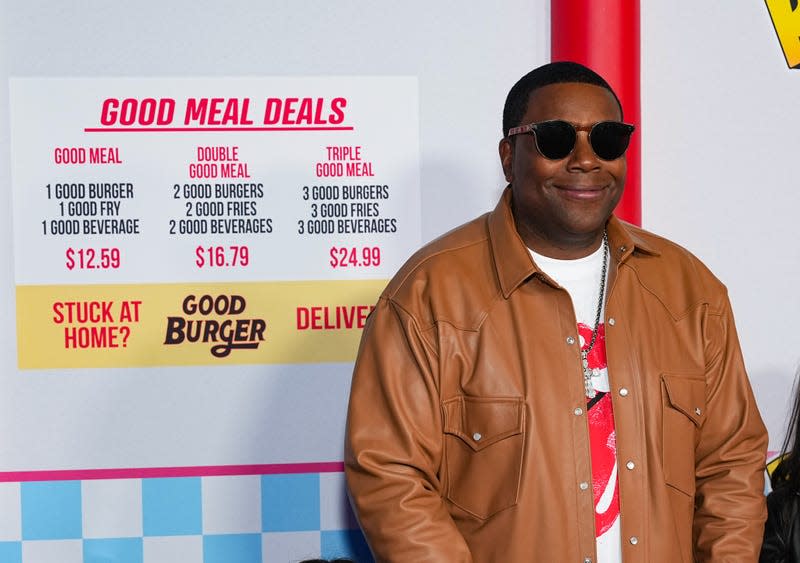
[{"x": 465, "y": 441}]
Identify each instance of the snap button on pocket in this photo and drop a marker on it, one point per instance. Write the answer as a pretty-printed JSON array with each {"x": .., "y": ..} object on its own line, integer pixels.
[{"x": 687, "y": 395}]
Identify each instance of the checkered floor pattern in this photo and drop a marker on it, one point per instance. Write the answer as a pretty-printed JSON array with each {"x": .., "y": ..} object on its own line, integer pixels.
[{"x": 228, "y": 519}]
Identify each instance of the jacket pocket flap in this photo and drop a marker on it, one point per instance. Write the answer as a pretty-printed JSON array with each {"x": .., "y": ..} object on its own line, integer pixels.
[
  {"x": 483, "y": 421},
  {"x": 687, "y": 395}
]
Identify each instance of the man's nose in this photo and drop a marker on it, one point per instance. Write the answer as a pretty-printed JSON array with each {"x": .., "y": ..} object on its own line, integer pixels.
[{"x": 583, "y": 156}]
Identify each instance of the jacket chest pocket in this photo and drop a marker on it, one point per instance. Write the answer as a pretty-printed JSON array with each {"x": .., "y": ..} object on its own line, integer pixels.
[
  {"x": 484, "y": 442},
  {"x": 684, "y": 410}
]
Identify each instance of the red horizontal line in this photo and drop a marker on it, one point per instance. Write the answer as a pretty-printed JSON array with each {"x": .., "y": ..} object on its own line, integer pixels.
[
  {"x": 156, "y": 472},
  {"x": 187, "y": 129}
]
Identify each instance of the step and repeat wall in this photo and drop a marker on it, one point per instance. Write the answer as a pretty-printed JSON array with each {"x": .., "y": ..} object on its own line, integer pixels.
[{"x": 202, "y": 202}]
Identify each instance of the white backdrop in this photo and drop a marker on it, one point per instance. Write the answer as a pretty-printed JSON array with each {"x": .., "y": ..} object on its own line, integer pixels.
[{"x": 719, "y": 128}]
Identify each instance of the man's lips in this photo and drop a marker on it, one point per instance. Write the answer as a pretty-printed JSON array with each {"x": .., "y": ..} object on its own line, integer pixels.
[{"x": 581, "y": 192}]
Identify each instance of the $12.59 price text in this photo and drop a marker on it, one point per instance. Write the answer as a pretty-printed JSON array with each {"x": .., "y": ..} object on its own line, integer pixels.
[{"x": 92, "y": 259}]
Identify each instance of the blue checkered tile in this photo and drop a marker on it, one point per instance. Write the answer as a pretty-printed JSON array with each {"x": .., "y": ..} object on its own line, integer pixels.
[
  {"x": 51, "y": 510},
  {"x": 172, "y": 506},
  {"x": 242, "y": 548},
  {"x": 290, "y": 502},
  {"x": 11, "y": 552},
  {"x": 120, "y": 550},
  {"x": 215, "y": 519}
]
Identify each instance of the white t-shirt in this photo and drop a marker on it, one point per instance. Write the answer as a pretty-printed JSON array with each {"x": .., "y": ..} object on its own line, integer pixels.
[{"x": 581, "y": 278}]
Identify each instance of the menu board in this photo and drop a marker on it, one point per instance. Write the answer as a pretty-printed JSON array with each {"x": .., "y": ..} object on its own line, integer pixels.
[{"x": 164, "y": 221}]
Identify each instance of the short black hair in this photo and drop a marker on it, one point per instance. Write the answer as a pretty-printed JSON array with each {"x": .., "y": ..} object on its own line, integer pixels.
[{"x": 552, "y": 73}]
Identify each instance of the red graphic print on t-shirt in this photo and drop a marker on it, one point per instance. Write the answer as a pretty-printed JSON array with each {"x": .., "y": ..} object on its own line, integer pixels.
[{"x": 602, "y": 438}]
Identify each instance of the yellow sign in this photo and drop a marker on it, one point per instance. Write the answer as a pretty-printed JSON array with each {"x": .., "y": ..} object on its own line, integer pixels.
[
  {"x": 785, "y": 16},
  {"x": 74, "y": 326}
]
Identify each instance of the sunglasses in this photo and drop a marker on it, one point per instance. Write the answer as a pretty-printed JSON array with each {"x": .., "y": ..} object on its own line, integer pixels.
[{"x": 556, "y": 139}]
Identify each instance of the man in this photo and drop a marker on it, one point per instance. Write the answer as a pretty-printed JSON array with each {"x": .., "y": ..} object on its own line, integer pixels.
[{"x": 548, "y": 383}]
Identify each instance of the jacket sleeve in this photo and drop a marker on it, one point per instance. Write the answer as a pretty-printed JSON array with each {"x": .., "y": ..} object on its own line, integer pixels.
[
  {"x": 731, "y": 453},
  {"x": 393, "y": 444},
  {"x": 775, "y": 546}
]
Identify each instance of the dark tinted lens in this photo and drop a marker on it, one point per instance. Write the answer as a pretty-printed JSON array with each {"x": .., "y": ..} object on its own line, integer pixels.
[
  {"x": 610, "y": 139},
  {"x": 555, "y": 139}
]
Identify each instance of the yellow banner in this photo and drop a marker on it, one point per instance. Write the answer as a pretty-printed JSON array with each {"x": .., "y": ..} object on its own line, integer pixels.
[
  {"x": 191, "y": 324},
  {"x": 785, "y": 16}
]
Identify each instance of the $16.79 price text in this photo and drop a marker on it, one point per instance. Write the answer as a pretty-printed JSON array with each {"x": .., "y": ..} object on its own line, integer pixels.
[{"x": 221, "y": 256}]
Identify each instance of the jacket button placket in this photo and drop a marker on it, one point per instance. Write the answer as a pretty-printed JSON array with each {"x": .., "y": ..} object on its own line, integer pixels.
[{"x": 624, "y": 392}]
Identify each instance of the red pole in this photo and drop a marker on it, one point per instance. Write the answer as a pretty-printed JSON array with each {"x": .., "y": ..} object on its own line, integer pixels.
[{"x": 604, "y": 35}]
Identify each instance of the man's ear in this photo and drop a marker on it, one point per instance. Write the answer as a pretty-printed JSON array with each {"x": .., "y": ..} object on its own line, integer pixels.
[{"x": 506, "y": 150}]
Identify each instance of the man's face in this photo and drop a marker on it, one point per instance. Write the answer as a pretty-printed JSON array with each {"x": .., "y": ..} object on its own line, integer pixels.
[{"x": 561, "y": 206}]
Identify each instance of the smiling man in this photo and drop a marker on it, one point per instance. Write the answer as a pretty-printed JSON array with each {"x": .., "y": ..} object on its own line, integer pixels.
[{"x": 547, "y": 383}]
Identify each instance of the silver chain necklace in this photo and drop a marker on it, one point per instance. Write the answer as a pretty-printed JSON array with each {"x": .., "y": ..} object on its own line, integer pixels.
[{"x": 587, "y": 372}]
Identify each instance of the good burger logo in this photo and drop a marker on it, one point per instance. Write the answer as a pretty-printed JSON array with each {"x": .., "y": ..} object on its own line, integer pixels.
[{"x": 215, "y": 320}]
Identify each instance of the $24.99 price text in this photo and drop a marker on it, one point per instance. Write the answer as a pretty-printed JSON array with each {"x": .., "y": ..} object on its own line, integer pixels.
[{"x": 353, "y": 257}]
